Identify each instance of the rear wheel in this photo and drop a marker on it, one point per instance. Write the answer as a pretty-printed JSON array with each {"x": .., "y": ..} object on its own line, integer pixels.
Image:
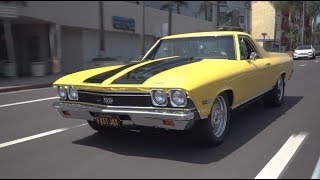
[
  {"x": 275, "y": 96},
  {"x": 211, "y": 131}
]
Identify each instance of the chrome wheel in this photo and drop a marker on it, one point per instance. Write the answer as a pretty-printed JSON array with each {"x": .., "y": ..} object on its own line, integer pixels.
[
  {"x": 219, "y": 116},
  {"x": 280, "y": 88}
]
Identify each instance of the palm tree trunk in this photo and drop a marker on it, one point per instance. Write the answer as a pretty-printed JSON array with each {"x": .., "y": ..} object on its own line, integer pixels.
[
  {"x": 275, "y": 30},
  {"x": 170, "y": 18},
  {"x": 302, "y": 31},
  {"x": 102, "y": 40},
  {"x": 142, "y": 28},
  {"x": 206, "y": 12},
  {"x": 178, "y": 8}
]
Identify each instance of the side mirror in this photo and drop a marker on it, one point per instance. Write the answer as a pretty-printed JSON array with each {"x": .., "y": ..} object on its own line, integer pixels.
[{"x": 253, "y": 56}]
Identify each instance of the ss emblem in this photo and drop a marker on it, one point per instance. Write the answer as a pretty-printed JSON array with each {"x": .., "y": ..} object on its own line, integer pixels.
[{"x": 108, "y": 100}]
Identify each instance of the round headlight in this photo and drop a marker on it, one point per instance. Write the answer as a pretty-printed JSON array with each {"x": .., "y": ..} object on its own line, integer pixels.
[
  {"x": 62, "y": 92},
  {"x": 159, "y": 98},
  {"x": 73, "y": 94},
  {"x": 178, "y": 98}
]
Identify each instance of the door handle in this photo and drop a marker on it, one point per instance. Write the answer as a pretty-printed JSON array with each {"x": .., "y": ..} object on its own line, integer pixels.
[{"x": 268, "y": 64}]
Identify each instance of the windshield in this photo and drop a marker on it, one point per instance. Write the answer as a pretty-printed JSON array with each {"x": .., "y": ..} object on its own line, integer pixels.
[
  {"x": 304, "y": 47},
  {"x": 213, "y": 47}
]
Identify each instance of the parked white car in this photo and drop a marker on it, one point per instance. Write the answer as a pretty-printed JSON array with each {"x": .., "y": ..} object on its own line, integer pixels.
[{"x": 304, "y": 51}]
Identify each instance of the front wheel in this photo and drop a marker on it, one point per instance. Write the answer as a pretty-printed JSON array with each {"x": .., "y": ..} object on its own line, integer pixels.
[
  {"x": 211, "y": 131},
  {"x": 275, "y": 96}
]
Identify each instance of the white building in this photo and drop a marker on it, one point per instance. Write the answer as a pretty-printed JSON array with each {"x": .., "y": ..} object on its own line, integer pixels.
[{"x": 64, "y": 35}]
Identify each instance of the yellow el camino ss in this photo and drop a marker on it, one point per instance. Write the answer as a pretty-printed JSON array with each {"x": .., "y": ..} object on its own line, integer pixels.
[{"x": 186, "y": 81}]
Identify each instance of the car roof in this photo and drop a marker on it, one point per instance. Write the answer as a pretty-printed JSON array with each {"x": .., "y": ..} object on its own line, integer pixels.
[{"x": 204, "y": 34}]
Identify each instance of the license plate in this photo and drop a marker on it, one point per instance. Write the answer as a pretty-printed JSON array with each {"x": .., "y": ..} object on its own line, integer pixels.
[{"x": 108, "y": 120}]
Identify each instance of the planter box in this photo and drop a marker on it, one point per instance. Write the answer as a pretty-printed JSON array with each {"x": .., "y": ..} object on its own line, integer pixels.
[
  {"x": 9, "y": 69},
  {"x": 38, "y": 68}
]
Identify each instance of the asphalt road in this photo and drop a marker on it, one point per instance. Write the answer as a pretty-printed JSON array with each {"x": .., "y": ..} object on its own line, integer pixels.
[{"x": 256, "y": 136}]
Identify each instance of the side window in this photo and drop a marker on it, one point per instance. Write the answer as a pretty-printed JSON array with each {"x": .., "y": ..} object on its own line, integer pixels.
[
  {"x": 243, "y": 49},
  {"x": 246, "y": 48}
]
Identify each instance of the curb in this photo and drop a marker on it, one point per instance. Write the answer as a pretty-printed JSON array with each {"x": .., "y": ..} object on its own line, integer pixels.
[{"x": 17, "y": 88}]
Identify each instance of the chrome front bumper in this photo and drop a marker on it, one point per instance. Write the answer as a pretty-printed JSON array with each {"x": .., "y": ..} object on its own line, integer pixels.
[
  {"x": 146, "y": 116},
  {"x": 295, "y": 56}
]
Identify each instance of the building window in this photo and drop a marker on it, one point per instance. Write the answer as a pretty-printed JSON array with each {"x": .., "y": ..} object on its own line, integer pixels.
[
  {"x": 196, "y": 9},
  {"x": 234, "y": 15}
]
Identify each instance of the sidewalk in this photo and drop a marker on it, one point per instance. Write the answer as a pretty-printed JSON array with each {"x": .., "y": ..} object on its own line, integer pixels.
[{"x": 8, "y": 84}]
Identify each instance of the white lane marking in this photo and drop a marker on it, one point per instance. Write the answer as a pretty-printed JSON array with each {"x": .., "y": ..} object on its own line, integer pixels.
[
  {"x": 25, "y": 102},
  {"x": 303, "y": 64},
  {"x": 37, "y": 136},
  {"x": 27, "y": 90},
  {"x": 278, "y": 163},
  {"x": 316, "y": 172}
]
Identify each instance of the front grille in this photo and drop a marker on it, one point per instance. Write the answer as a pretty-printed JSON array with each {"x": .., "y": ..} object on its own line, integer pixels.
[{"x": 121, "y": 99}]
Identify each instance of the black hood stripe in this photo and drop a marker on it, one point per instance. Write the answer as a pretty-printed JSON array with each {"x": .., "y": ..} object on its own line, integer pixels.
[
  {"x": 103, "y": 76},
  {"x": 142, "y": 73}
]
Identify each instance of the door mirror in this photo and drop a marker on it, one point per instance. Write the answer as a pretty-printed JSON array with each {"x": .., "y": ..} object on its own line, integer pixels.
[{"x": 253, "y": 56}]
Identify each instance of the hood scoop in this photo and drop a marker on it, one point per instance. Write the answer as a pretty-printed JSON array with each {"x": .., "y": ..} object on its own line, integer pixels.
[{"x": 141, "y": 74}]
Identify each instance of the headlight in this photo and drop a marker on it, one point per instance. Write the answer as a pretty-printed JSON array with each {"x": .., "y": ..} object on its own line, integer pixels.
[
  {"x": 178, "y": 98},
  {"x": 310, "y": 52},
  {"x": 73, "y": 93},
  {"x": 62, "y": 92},
  {"x": 159, "y": 97}
]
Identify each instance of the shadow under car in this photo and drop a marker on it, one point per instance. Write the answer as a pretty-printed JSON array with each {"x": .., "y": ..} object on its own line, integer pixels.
[{"x": 177, "y": 146}]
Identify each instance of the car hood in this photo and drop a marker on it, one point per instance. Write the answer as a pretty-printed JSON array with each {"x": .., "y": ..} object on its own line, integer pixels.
[
  {"x": 173, "y": 72},
  {"x": 303, "y": 51}
]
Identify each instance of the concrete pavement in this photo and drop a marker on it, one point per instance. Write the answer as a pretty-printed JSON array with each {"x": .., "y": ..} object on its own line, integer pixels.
[
  {"x": 255, "y": 136},
  {"x": 8, "y": 84}
]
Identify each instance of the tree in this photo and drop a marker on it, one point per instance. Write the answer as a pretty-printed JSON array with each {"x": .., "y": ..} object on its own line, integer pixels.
[
  {"x": 168, "y": 6},
  {"x": 204, "y": 7},
  {"x": 294, "y": 37},
  {"x": 313, "y": 9},
  {"x": 101, "y": 20},
  {"x": 294, "y": 8},
  {"x": 178, "y": 4}
]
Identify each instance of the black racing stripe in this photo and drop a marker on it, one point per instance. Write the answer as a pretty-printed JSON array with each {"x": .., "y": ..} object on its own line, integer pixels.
[
  {"x": 142, "y": 73},
  {"x": 105, "y": 75}
]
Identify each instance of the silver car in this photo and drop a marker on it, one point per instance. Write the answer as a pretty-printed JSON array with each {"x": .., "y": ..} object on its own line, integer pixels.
[{"x": 304, "y": 51}]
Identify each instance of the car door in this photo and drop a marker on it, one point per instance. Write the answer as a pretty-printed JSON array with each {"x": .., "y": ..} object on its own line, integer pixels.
[{"x": 258, "y": 70}]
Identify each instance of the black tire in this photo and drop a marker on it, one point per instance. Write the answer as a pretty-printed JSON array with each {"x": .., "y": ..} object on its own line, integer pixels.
[
  {"x": 205, "y": 131},
  {"x": 314, "y": 56},
  {"x": 274, "y": 98},
  {"x": 101, "y": 129}
]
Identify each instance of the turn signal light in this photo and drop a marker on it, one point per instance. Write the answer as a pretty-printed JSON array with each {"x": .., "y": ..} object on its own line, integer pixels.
[
  {"x": 168, "y": 122},
  {"x": 67, "y": 113}
]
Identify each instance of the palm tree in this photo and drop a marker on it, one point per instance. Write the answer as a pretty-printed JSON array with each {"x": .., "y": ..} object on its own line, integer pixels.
[
  {"x": 101, "y": 20},
  {"x": 143, "y": 28},
  {"x": 294, "y": 8},
  {"x": 313, "y": 9},
  {"x": 178, "y": 4},
  {"x": 294, "y": 37}
]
